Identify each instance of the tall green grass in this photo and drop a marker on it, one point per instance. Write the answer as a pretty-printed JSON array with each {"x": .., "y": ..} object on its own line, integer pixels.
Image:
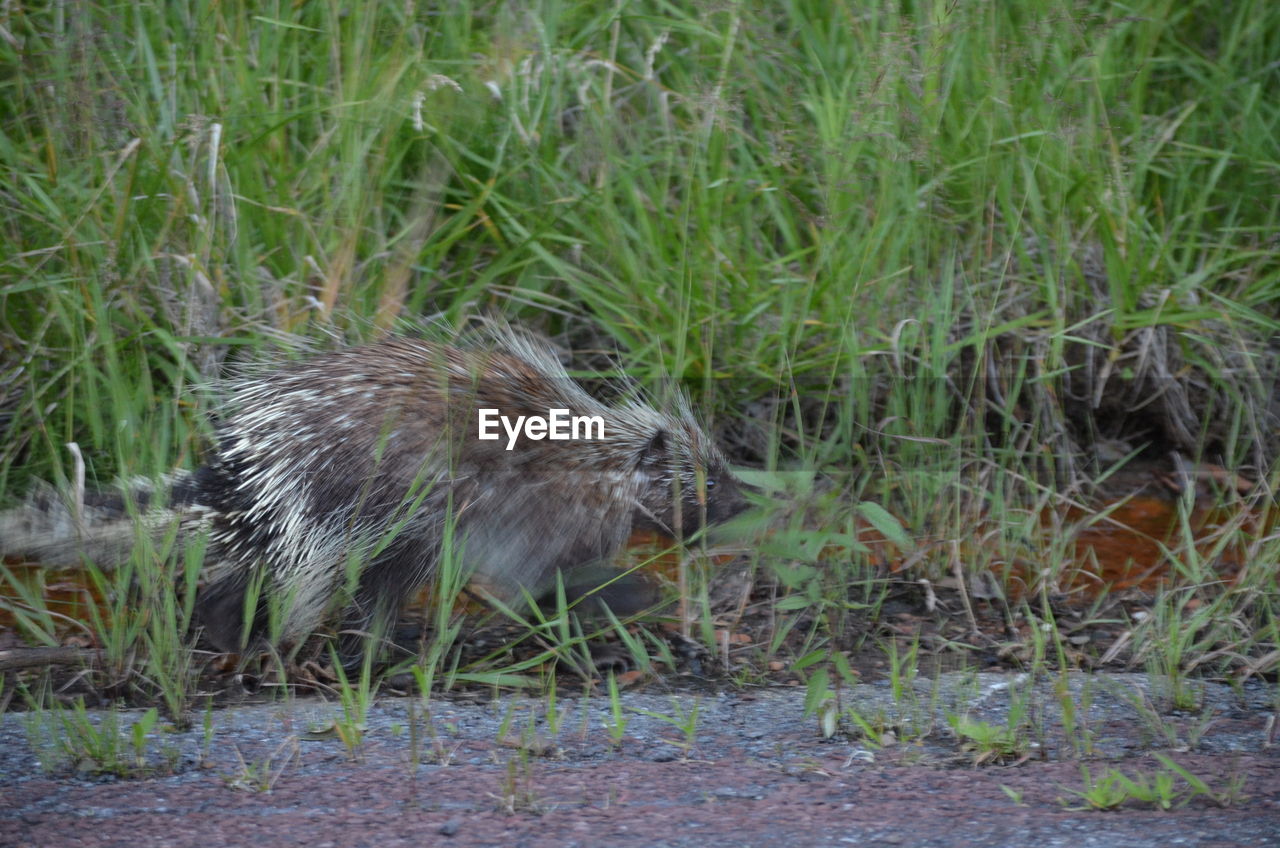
[{"x": 935, "y": 250}]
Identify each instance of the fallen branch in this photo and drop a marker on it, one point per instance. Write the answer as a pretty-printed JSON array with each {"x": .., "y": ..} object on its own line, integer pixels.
[{"x": 23, "y": 658}]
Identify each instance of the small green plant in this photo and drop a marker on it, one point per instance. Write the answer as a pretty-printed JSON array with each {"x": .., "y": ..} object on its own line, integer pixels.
[
  {"x": 824, "y": 686},
  {"x": 262, "y": 775},
  {"x": 138, "y": 736},
  {"x": 1169, "y": 730},
  {"x": 24, "y": 600},
  {"x": 616, "y": 724},
  {"x": 508, "y": 717},
  {"x": 1227, "y": 796},
  {"x": 439, "y": 640},
  {"x": 684, "y": 720},
  {"x": 633, "y": 643},
  {"x": 1175, "y": 632},
  {"x": 821, "y": 701},
  {"x": 439, "y": 753},
  {"x": 518, "y": 792},
  {"x": 1159, "y": 789},
  {"x": 903, "y": 669},
  {"x": 206, "y": 731},
  {"x": 416, "y": 725},
  {"x": 818, "y": 568},
  {"x": 73, "y": 738},
  {"x": 1156, "y": 789},
  {"x": 1074, "y": 723},
  {"x": 877, "y": 731},
  {"x": 1105, "y": 793},
  {"x": 169, "y": 663},
  {"x": 1014, "y": 795},
  {"x": 554, "y": 716},
  {"x": 356, "y": 701},
  {"x": 989, "y": 742}
]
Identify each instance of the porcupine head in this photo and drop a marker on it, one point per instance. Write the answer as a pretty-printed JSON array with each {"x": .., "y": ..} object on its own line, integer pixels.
[{"x": 372, "y": 455}]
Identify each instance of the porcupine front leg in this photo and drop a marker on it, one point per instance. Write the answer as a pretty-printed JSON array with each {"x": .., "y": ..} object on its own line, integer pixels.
[
  {"x": 389, "y": 581},
  {"x": 220, "y": 612},
  {"x": 591, "y": 588}
]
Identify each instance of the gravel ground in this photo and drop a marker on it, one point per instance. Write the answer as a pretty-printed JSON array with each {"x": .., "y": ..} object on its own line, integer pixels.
[{"x": 752, "y": 770}]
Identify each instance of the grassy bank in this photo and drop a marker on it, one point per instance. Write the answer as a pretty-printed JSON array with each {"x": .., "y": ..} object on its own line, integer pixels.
[{"x": 956, "y": 260}]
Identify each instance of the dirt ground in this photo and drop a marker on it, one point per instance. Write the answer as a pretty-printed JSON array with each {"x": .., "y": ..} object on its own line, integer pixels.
[{"x": 732, "y": 768}]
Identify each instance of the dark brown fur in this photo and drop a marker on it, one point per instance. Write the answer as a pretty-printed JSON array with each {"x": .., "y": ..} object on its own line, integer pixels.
[{"x": 369, "y": 457}]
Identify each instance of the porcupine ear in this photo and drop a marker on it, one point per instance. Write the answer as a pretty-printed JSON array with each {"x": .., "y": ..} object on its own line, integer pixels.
[{"x": 654, "y": 454}]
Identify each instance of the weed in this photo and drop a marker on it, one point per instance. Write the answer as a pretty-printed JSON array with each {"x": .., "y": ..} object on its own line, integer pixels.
[
  {"x": 518, "y": 792},
  {"x": 877, "y": 731},
  {"x": 262, "y": 775},
  {"x": 356, "y": 700},
  {"x": 72, "y": 738},
  {"x": 1105, "y": 793},
  {"x": 1013, "y": 794},
  {"x": 989, "y": 742},
  {"x": 686, "y": 721},
  {"x": 1160, "y": 789},
  {"x": 1229, "y": 795},
  {"x": 553, "y": 715},
  {"x": 616, "y": 724},
  {"x": 1169, "y": 730},
  {"x": 1074, "y": 715}
]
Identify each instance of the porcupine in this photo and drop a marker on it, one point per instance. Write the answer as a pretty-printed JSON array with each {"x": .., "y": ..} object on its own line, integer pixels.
[{"x": 371, "y": 455}]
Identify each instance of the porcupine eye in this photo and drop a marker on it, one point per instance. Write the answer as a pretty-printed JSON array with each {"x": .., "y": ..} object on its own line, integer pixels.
[{"x": 724, "y": 497}]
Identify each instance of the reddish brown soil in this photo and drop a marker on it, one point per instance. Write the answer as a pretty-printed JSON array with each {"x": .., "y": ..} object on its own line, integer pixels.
[
  {"x": 758, "y": 774},
  {"x": 637, "y": 803}
]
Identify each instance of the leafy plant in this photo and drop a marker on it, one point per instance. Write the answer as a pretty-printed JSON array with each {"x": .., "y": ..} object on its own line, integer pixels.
[
  {"x": 616, "y": 724},
  {"x": 73, "y": 738},
  {"x": 686, "y": 721},
  {"x": 262, "y": 775},
  {"x": 1159, "y": 789},
  {"x": 989, "y": 742}
]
